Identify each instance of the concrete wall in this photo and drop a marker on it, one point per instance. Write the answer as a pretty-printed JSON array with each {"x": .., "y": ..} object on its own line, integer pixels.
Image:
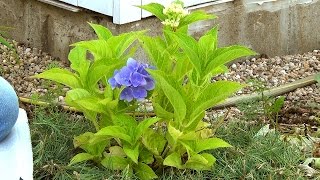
[{"x": 269, "y": 27}]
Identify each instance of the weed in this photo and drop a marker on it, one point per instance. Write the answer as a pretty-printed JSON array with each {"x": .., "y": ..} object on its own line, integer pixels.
[
  {"x": 53, "y": 64},
  {"x": 264, "y": 108}
]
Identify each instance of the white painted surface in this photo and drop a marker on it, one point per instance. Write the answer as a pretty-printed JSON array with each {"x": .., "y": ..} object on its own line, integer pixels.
[
  {"x": 16, "y": 152},
  {"x": 100, "y": 6},
  {"x": 123, "y": 11}
]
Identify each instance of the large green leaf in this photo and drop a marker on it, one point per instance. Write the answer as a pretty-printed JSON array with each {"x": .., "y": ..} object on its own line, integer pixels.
[
  {"x": 115, "y": 132},
  {"x": 172, "y": 94},
  {"x": 101, "y": 31},
  {"x": 61, "y": 76},
  {"x": 127, "y": 122},
  {"x": 161, "y": 112},
  {"x": 91, "y": 145},
  {"x": 207, "y": 44},
  {"x": 80, "y": 158},
  {"x": 99, "y": 48},
  {"x": 132, "y": 152},
  {"x": 200, "y": 162},
  {"x": 144, "y": 172},
  {"x": 122, "y": 42},
  {"x": 98, "y": 70},
  {"x": 76, "y": 94},
  {"x": 145, "y": 156},
  {"x": 155, "y": 9},
  {"x": 156, "y": 50},
  {"x": 79, "y": 62},
  {"x": 194, "y": 17},
  {"x": 189, "y": 46},
  {"x": 115, "y": 162},
  {"x": 92, "y": 104},
  {"x": 153, "y": 141},
  {"x": 173, "y": 160},
  {"x": 143, "y": 126},
  {"x": 199, "y": 145},
  {"x": 210, "y": 143},
  {"x": 211, "y": 95},
  {"x": 225, "y": 55}
]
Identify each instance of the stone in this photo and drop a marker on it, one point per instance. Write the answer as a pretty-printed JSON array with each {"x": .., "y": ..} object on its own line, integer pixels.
[{"x": 9, "y": 108}]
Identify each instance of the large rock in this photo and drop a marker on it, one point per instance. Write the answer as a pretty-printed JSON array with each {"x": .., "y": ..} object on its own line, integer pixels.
[{"x": 9, "y": 108}]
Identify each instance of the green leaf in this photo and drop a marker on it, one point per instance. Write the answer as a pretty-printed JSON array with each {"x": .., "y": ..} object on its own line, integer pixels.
[
  {"x": 277, "y": 105},
  {"x": 161, "y": 112},
  {"x": 189, "y": 46},
  {"x": 101, "y": 31},
  {"x": 207, "y": 44},
  {"x": 80, "y": 158},
  {"x": 92, "y": 104},
  {"x": 79, "y": 62},
  {"x": 121, "y": 43},
  {"x": 91, "y": 145},
  {"x": 61, "y": 76},
  {"x": 146, "y": 156},
  {"x": 132, "y": 152},
  {"x": 116, "y": 151},
  {"x": 99, "y": 48},
  {"x": 115, "y": 132},
  {"x": 317, "y": 78},
  {"x": 173, "y": 160},
  {"x": 153, "y": 141},
  {"x": 144, "y": 172},
  {"x": 211, "y": 95},
  {"x": 125, "y": 121},
  {"x": 144, "y": 125},
  {"x": 200, "y": 162},
  {"x": 4, "y": 42},
  {"x": 175, "y": 133},
  {"x": 76, "y": 94},
  {"x": 210, "y": 143},
  {"x": 115, "y": 162},
  {"x": 194, "y": 17},
  {"x": 156, "y": 50},
  {"x": 219, "y": 70},
  {"x": 225, "y": 55},
  {"x": 155, "y": 9},
  {"x": 98, "y": 70},
  {"x": 172, "y": 94}
]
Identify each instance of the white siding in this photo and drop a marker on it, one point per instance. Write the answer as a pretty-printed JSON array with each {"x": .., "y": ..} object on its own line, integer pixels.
[
  {"x": 100, "y": 6},
  {"x": 124, "y": 11}
]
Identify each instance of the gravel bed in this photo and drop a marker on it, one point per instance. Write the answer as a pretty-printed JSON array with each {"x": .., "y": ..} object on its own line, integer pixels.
[
  {"x": 271, "y": 72},
  {"x": 301, "y": 105}
]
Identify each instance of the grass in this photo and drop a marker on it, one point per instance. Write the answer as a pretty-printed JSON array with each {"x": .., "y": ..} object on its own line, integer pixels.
[{"x": 251, "y": 158}]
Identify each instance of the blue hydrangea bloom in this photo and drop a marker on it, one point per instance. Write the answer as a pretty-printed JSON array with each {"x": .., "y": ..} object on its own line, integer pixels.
[{"x": 136, "y": 80}]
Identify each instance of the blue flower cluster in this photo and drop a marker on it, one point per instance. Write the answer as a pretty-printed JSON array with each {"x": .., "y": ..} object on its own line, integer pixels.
[{"x": 135, "y": 78}]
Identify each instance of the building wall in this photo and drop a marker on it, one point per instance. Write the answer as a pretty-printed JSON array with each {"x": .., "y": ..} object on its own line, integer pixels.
[{"x": 268, "y": 27}]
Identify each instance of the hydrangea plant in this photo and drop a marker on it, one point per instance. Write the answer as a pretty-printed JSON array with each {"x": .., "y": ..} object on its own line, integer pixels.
[{"x": 178, "y": 84}]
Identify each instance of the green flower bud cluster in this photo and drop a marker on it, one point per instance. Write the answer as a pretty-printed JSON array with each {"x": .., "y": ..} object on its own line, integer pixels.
[{"x": 174, "y": 12}]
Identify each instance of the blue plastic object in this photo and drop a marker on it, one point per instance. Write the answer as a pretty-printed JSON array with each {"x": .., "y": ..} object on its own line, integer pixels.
[{"x": 9, "y": 108}]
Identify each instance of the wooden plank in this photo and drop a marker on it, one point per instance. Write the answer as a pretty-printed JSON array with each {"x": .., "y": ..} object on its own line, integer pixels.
[
  {"x": 268, "y": 93},
  {"x": 124, "y": 11},
  {"x": 100, "y": 6}
]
